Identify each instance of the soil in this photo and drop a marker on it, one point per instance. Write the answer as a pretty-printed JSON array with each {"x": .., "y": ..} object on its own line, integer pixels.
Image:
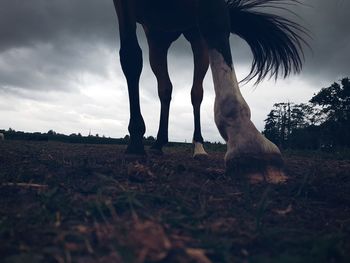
[{"x": 89, "y": 203}]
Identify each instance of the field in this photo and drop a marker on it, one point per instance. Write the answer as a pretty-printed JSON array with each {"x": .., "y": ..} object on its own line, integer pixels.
[{"x": 88, "y": 203}]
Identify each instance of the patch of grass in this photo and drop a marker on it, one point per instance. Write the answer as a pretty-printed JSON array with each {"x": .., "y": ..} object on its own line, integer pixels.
[
  {"x": 92, "y": 209},
  {"x": 323, "y": 249},
  {"x": 335, "y": 154}
]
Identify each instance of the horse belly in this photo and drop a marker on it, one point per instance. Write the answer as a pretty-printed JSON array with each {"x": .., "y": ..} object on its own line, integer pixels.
[{"x": 169, "y": 15}]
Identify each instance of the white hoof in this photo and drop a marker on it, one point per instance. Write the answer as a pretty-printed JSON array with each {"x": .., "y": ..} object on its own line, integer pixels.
[{"x": 199, "y": 150}]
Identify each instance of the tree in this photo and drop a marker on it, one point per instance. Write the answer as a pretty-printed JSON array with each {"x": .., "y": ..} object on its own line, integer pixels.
[
  {"x": 284, "y": 119},
  {"x": 324, "y": 122},
  {"x": 271, "y": 130},
  {"x": 126, "y": 138},
  {"x": 150, "y": 139},
  {"x": 51, "y": 132},
  {"x": 334, "y": 102}
]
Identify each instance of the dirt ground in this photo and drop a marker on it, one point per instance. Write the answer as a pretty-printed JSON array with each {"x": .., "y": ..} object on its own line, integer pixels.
[{"x": 88, "y": 203}]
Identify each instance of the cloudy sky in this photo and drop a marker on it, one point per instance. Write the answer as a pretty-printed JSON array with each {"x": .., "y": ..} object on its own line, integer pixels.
[{"x": 59, "y": 69}]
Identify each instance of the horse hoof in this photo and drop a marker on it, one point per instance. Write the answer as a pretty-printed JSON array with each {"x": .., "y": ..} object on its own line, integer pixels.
[
  {"x": 199, "y": 152},
  {"x": 257, "y": 169}
]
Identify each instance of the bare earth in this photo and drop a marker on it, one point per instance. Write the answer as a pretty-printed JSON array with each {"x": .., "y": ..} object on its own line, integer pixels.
[{"x": 88, "y": 203}]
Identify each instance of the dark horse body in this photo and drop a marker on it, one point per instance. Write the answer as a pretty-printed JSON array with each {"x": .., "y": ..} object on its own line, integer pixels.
[
  {"x": 206, "y": 24},
  {"x": 161, "y": 23}
]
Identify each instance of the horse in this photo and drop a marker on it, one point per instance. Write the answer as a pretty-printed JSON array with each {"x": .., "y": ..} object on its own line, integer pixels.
[{"x": 276, "y": 44}]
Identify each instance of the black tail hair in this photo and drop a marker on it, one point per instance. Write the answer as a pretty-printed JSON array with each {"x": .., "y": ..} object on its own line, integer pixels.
[{"x": 276, "y": 42}]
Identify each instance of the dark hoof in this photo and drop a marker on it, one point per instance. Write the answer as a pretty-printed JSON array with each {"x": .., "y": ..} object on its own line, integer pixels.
[{"x": 257, "y": 169}]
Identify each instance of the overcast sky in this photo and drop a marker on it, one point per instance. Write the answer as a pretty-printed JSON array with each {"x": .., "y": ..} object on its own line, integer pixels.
[{"x": 59, "y": 69}]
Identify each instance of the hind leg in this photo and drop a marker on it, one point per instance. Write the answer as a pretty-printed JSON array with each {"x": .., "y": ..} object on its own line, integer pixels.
[
  {"x": 248, "y": 151},
  {"x": 159, "y": 43},
  {"x": 201, "y": 64}
]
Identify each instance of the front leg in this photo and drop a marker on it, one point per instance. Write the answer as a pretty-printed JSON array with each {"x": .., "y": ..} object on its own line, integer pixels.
[
  {"x": 247, "y": 150},
  {"x": 131, "y": 62}
]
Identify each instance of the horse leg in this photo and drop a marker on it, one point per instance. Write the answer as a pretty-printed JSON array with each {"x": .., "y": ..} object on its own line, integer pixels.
[
  {"x": 247, "y": 150},
  {"x": 201, "y": 64},
  {"x": 131, "y": 62},
  {"x": 159, "y": 43}
]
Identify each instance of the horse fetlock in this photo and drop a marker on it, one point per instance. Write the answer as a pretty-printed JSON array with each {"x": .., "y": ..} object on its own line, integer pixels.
[
  {"x": 198, "y": 150},
  {"x": 162, "y": 139},
  {"x": 232, "y": 107},
  {"x": 137, "y": 127},
  {"x": 229, "y": 120}
]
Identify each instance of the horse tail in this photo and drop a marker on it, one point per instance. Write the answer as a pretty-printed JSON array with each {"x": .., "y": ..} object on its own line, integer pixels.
[{"x": 276, "y": 42}]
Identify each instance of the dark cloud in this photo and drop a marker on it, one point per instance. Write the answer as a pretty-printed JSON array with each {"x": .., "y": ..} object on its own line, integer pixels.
[
  {"x": 327, "y": 22},
  {"x": 49, "y": 67},
  {"x": 26, "y": 23},
  {"x": 47, "y": 45},
  {"x": 73, "y": 27}
]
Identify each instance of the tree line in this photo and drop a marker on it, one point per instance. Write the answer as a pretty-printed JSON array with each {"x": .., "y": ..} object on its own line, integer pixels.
[
  {"x": 51, "y": 135},
  {"x": 322, "y": 123}
]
